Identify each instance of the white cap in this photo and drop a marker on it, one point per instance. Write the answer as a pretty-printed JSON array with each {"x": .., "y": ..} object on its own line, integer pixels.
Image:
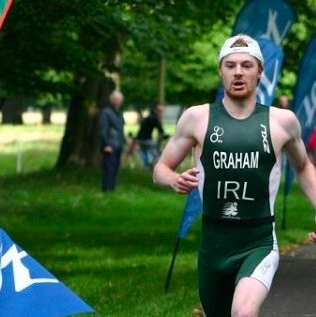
[{"x": 252, "y": 49}]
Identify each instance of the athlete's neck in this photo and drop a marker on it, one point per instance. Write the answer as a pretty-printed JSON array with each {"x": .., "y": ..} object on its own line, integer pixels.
[{"x": 239, "y": 108}]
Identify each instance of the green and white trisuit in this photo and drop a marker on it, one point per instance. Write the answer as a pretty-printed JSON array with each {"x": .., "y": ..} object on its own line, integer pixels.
[{"x": 239, "y": 181}]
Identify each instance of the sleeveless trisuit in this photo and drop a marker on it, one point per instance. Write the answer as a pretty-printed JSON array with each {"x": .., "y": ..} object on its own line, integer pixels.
[{"x": 239, "y": 179}]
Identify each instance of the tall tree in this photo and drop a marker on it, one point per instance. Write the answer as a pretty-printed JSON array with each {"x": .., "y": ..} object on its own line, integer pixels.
[
  {"x": 73, "y": 50},
  {"x": 82, "y": 41}
]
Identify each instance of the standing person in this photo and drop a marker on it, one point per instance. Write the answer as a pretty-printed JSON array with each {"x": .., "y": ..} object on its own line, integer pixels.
[
  {"x": 237, "y": 147},
  {"x": 112, "y": 140},
  {"x": 149, "y": 148},
  {"x": 283, "y": 102}
]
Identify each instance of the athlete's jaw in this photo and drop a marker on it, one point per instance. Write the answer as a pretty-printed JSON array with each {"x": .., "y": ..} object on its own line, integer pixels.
[{"x": 238, "y": 89}]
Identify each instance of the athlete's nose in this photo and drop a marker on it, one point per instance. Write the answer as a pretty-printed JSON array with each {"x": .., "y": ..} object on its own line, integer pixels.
[{"x": 238, "y": 69}]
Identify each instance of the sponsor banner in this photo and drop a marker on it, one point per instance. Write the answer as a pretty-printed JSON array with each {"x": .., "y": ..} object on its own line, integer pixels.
[
  {"x": 270, "y": 19},
  {"x": 28, "y": 289},
  {"x": 192, "y": 209},
  {"x": 304, "y": 100}
]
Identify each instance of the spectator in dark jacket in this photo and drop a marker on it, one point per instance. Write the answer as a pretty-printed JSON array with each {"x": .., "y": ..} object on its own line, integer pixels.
[
  {"x": 112, "y": 140},
  {"x": 149, "y": 148}
]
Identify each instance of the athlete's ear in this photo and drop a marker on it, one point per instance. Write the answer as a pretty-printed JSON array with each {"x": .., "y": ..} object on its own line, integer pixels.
[{"x": 260, "y": 72}]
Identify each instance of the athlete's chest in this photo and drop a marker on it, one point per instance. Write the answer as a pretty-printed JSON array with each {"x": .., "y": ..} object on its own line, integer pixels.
[{"x": 227, "y": 134}]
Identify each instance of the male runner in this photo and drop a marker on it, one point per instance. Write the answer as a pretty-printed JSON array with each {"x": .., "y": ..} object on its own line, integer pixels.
[{"x": 237, "y": 150}]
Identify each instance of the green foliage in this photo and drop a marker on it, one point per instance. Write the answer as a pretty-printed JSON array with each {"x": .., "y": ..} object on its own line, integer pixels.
[
  {"x": 85, "y": 39},
  {"x": 40, "y": 37}
]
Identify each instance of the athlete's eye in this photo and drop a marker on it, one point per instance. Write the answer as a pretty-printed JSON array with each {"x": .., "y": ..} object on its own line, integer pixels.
[
  {"x": 247, "y": 65},
  {"x": 229, "y": 65}
]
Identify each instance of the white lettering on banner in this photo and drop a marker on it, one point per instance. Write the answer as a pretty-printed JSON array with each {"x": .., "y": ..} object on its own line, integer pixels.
[
  {"x": 309, "y": 103},
  {"x": 272, "y": 28},
  {"x": 21, "y": 274},
  {"x": 238, "y": 190},
  {"x": 268, "y": 84}
]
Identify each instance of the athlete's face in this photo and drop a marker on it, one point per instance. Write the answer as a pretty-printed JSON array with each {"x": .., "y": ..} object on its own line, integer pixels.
[{"x": 240, "y": 74}]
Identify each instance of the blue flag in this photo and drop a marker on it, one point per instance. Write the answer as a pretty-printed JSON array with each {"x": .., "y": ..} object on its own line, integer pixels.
[
  {"x": 304, "y": 101},
  {"x": 269, "y": 19},
  {"x": 27, "y": 289},
  {"x": 193, "y": 207},
  {"x": 273, "y": 60}
]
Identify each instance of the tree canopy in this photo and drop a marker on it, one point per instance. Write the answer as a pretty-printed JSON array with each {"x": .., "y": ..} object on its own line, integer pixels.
[{"x": 74, "y": 53}]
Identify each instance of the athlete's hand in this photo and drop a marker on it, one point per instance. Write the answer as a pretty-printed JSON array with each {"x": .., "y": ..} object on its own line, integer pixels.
[
  {"x": 186, "y": 181},
  {"x": 312, "y": 236}
]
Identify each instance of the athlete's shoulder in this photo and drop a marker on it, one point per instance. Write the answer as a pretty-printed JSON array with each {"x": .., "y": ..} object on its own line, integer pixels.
[
  {"x": 196, "y": 111},
  {"x": 285, "y": 118},
  {"x": 200, "y": 107},
  {"x": 193, "y": 120},
  {"x": 282, "y": 114}
]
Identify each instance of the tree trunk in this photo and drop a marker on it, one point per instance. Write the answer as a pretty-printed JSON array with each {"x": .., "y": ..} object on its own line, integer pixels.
[
  {"x": 46, "y": 114},
  {"x": 81, "y": 141},
  {"x": 71, "y": 144},
  {"x": 91, "y": 147},
  {"x": 80, "y": 144}
]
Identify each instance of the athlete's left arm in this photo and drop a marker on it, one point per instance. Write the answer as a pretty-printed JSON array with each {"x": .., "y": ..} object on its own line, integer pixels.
[{"x": 304, "y": 169}]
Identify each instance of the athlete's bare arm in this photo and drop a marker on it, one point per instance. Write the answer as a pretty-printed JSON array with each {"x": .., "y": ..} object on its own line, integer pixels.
[
  {"x": 189, "y": 134},
  {"x": 287, "y": 135}
]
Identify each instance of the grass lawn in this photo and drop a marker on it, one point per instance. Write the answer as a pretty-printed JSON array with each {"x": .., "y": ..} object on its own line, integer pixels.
[{"x": 112, "y": 249}]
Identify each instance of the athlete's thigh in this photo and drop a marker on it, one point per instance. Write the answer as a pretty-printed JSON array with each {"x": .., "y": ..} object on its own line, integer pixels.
[
  {"x": 254, "y": 280},
  {"x": 216, "y": 286},
  {"x": 248, "y": 297}
]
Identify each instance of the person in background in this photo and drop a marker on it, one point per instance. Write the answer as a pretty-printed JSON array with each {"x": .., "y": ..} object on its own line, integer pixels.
[
  {"x": 283, "y": 102},
  {"x": 150, "y": 148},
  {"x": 111, "y": 125},
  {"x": 237, "y": 146}
]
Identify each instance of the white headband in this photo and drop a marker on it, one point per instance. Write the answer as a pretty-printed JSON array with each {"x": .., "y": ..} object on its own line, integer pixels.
[{"x": 252, "y": 49}]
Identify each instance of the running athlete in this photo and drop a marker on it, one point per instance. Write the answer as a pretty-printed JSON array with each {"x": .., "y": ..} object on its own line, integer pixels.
[{"x": 237, "y": 146}]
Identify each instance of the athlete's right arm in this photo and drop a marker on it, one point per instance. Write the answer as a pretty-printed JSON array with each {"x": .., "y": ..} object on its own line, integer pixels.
[{"x": 177, "y": 148}]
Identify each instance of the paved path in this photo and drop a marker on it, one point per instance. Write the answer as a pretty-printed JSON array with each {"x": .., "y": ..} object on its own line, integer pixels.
[{"x": 293, "y": 292}]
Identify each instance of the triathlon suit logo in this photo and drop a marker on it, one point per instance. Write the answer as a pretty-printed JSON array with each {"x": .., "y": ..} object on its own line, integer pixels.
[
  {"x": 216, "y": 135},
  {"x": 230, "y": 210},
  {"x": 265, "y": 266},
  {"x": 264, "y": 135}
]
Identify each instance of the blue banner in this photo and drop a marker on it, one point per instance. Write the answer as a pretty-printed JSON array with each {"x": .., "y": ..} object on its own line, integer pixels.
[
  {"x": 192, "y": 209},
  {"x": 273, "y": 61},
  {"x": 269, "y": 19},
  {"x": 304, "y": 100},
  {"x": 27, "y": 289}
]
